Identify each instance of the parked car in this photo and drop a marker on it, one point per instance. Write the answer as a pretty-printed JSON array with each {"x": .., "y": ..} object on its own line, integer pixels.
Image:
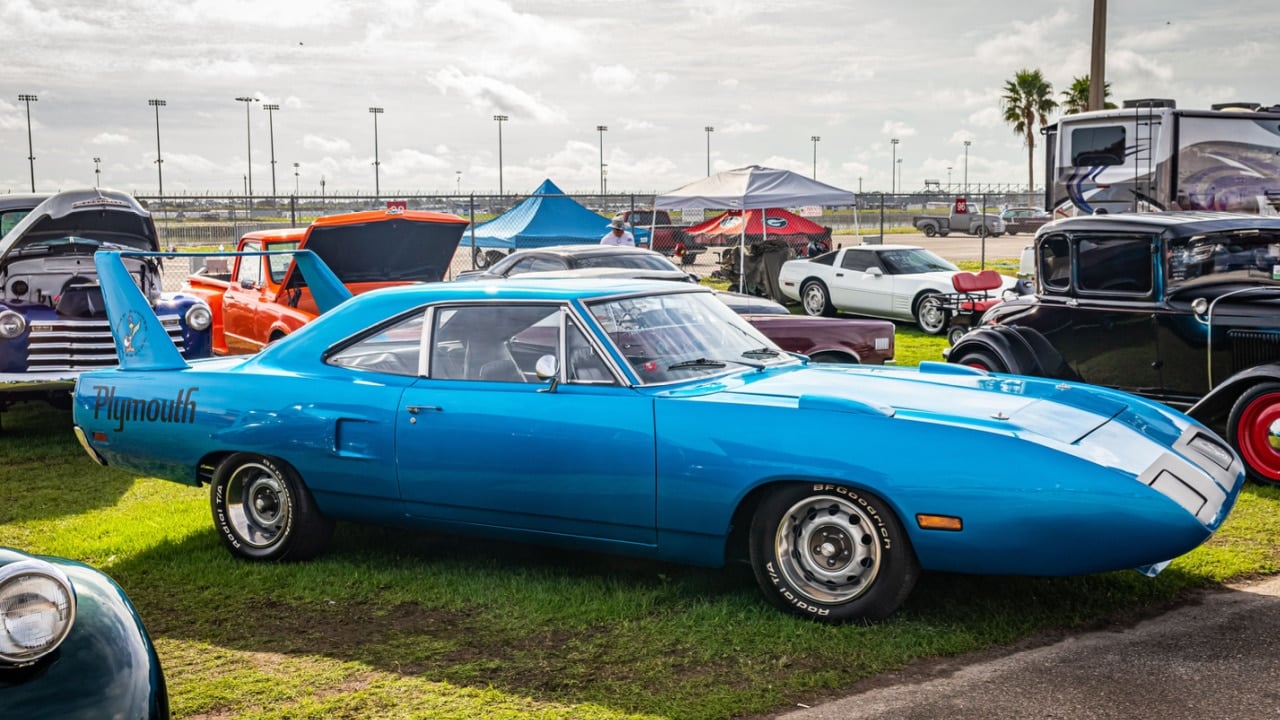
[
  {"x": 577, "y": 257},
  {"x": 1180, "y": 307},
  {"x": 1024, "y": 219},
  {"x": 839, "y": 340},
  {"x": 72, "y": 645},
  {"x": 639, "y": 417},
  {"x": 895, "y": 282},
  {"x": 52, "y": 321},
  {"x": 962, "y": 218}
]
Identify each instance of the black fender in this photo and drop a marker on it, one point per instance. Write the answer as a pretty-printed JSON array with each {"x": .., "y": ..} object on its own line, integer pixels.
[
  {"x": 1216, "y": 405},
  {"x": 1023, "y": 350}
]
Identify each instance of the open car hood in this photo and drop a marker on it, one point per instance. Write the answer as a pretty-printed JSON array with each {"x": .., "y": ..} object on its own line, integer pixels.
[
  {"x": 383, "y": 246},
  {"x": 107, "y": 216}
]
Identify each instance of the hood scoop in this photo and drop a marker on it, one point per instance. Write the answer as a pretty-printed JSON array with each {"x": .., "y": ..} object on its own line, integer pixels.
[{"x": 843, "y": 404}]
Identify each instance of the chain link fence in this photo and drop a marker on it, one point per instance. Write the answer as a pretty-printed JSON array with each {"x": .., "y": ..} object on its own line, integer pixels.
[{"x": 216, "y": 223}]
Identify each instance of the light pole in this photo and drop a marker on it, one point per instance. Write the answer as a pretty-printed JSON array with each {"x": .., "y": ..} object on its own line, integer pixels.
[
  {"x": 815, "y": 140},
  {"x": 604, "y": 170},
  {"x": 97, "y": 172},
  {"x": 248, "y": 141},
  {"x": 892, "y": 165},
  {"x": 377, "y": 189},
  {"x": 296, "y": 190},
  {"x": 948, "y": 178},
  {"x": 709, "y": 130},
  {"x": 500, "y": 119},
  {"x": 899, "y": 173},
  {"x": 271, "y": 134},
  {"x": 31, "y": 154},
  {"x": 601, "y": 129},
  {"x": 321, "y": 189},
  {"x": 966, "y": 166},
  {"x": 457, "y": 177},
  {"x": 157, "y": 104}
]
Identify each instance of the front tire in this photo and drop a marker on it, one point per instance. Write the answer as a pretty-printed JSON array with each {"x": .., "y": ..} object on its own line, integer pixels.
[
  {"x": 831, "y": 553},
  {"x": 264, "y": 512},
  {"x": 929, "y": 230},
  {"x": 931, "y": 317},
  {"x": 1253, "y": 429},
  {"x": 982, "y": 360},
  {"x": 815, "y": 299}
]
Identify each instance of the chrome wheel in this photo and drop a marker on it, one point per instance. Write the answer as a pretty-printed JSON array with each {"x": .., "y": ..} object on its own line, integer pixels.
[
  {"x": 931, "y": 317},
  {"x": 827, "y": 549},
  {"x": 258, "y": 505}
]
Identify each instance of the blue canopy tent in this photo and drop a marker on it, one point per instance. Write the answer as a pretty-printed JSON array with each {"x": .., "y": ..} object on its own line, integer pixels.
[{"x": 547, "y": 217}]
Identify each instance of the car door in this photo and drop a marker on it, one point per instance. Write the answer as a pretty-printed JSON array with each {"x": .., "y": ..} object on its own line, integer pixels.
[
  {"x": 240, "y": 303},
  {"x": 502, "y": 449},
  {"x": 860, "y": 285},
  {"x": 1099, "y": 313}
]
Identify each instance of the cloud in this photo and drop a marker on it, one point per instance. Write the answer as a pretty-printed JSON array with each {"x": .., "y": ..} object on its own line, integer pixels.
[
  {"x": 110, "y": 138},
  {"x": 987, "y": 117},
  {"x": 326, "y": 145},
  {"x": 490, "y": 95},
  {"x": 613, "y": 79},
  {"x": 1028, "y": 43},
  {"x": 741, "y": 127},
  {"x": 897, "y": 128}
]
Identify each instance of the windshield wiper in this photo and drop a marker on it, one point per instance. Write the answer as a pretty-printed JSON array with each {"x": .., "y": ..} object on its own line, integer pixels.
[
  {"x": 708, "y": 363},
  {"x": 760, "y": 352}
]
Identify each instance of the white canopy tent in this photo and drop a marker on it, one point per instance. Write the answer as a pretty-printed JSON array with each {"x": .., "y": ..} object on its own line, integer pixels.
[{"x": 754, "y": 188}]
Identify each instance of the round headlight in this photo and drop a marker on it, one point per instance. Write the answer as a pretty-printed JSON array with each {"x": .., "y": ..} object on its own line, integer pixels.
[
  {"x": 199, "y": 317},
  {"x": 11, "y": 324},
  {"x": 37, "y": 609}
]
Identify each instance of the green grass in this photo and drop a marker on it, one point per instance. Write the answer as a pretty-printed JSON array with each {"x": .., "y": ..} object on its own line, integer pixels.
[{"x": 398, "y": 624}]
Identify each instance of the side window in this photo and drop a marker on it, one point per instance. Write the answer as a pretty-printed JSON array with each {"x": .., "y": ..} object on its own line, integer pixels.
[
  {"x": 395, "y": 349},
  {"x": 1055, "y": 262},
  {"x": 250, "y": 267},
  {"x": 1098, "y": 145},
  {"x": 858, "y": 260},
  {"x": 11, "y": 218},
  {"x": 535, "y": 264},
  {"x": 493, "y": 342},
  {"x": 1114, "y": 265}
]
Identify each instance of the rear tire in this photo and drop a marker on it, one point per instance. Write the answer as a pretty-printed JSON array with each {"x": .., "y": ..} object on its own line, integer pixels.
[
  {"x": 263, "y": 511},
  {"x": 1253, "y": 429},
  {"x": 929, "y": 230},
  {"x": 831, "y": 553}
]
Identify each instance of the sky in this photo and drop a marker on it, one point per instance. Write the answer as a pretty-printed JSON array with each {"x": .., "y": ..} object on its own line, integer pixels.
[{"x": 768, "y": 76}]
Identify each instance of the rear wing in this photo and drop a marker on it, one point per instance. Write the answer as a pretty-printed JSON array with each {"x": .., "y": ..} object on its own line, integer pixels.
[{"x": 142, "y": 343}]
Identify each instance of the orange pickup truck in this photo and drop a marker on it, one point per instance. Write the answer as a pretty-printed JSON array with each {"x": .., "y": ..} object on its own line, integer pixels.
[{"x": 261, "y": 298}]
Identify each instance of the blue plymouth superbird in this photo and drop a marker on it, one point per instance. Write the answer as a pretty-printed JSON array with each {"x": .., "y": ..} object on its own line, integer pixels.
[{"x": 647, "y": 418}]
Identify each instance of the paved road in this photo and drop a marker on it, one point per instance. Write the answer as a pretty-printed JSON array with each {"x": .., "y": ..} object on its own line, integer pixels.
[{"x": 1217, "y": 657}]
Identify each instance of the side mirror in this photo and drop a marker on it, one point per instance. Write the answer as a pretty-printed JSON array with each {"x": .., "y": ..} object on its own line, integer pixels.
[
  {"x": 248, "y": 284},
  {"x": 548, "y": 368},
  {"x": 875, "y": 271}
]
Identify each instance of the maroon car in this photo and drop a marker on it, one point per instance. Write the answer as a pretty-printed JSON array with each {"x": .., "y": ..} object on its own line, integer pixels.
[{"x": 836, "y": 340}]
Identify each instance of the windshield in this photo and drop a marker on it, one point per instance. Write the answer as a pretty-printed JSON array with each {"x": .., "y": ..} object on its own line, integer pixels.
[
  {"x": 638, "y": 261},
  {"x": 680, "y": 336},
  {"x": 914, "y": 260},
  {"x": 1249, "y": 255}
]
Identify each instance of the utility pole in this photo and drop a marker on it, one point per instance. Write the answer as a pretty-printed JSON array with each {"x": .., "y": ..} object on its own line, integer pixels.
[
  {"x": 377, "y": 188},
  {"x": 248, "y": 139},
  {"x": 157, "y": 104},
  {"x": 271, "y": 133},
  {"x": 31, "y": 155},
  {"x": 1098, "y": 57}
]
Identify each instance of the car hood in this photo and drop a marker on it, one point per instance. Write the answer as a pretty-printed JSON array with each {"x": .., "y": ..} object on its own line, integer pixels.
[
  {"x": 101, "y": 214},
  {"x": 938, "y": 393},
  {"x": 408, "y": 246}
]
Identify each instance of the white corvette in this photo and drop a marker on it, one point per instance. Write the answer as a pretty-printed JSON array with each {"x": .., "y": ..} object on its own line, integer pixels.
[{"x": 884, "y": 281}]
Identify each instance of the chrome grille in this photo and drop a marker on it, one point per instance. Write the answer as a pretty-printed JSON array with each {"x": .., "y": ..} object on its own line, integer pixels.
[
  {"x": 82, "y": 344},
  {"x": 1253, "y": 347}
]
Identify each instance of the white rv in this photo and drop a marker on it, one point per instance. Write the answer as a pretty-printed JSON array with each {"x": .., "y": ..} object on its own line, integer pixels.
[{"x": 1149, "y": 155}]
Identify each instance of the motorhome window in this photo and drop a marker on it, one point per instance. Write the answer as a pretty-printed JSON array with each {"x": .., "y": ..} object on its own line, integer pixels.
[
  {"x": 1117, "y": 264},
  {"x": 1097, "y": 146}
]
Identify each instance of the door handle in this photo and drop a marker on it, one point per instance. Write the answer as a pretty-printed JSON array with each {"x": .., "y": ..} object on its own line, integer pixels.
[
  {"x": 415, "y": 409},
  {"x": 839, "y": 274}
]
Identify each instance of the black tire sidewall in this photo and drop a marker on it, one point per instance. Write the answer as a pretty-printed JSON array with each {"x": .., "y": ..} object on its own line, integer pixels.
[
  {"x": 898, "y": 572},
  {"x": 277, "y": 550}
]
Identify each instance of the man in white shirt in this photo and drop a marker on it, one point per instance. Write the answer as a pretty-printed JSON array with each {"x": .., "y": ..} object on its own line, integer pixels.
[{"x": 618, "y": 235}]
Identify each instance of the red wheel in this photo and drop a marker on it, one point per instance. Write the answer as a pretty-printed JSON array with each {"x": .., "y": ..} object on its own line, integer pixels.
[
  {"x": 1254, "y": 430},
  {"x": 981, "y": 360}
]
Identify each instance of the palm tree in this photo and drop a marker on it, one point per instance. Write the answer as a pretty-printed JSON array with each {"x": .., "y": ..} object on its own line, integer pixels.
[
  {"x": 1076, "y": 99},
  {"x": 1028, "y": 97}
]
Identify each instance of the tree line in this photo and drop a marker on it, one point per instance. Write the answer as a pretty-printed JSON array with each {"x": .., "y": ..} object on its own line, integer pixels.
[{"x": 1028, "y": 98}]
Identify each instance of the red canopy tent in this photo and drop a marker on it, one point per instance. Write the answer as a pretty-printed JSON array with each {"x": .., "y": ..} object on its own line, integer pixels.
[{"x": 726, "y": 229}]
